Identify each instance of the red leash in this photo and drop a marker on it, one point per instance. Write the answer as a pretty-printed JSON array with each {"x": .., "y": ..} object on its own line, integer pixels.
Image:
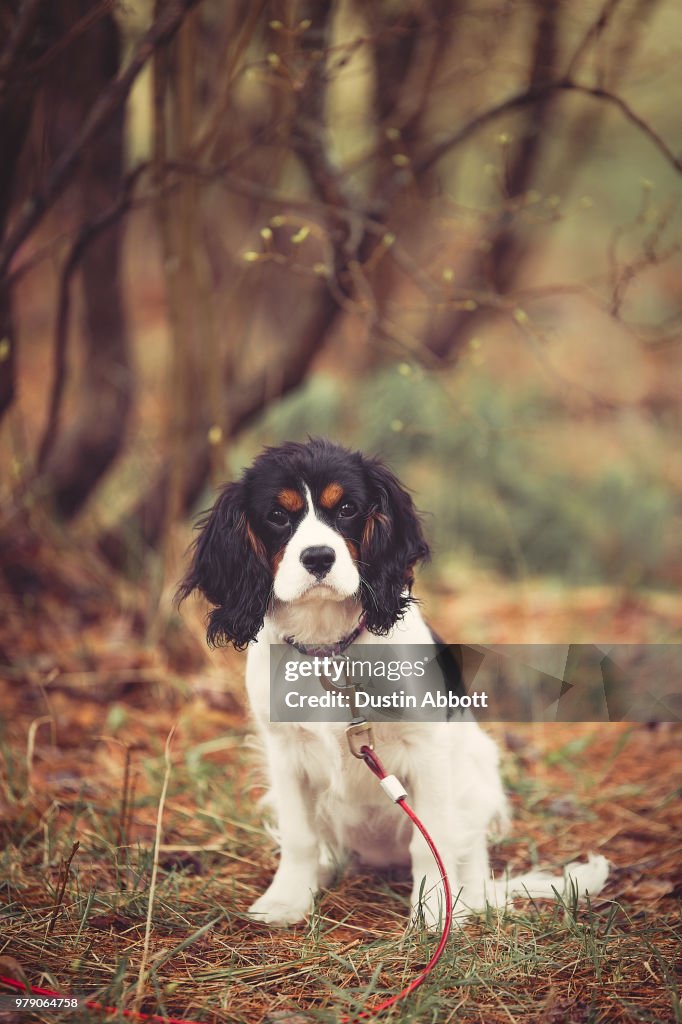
[
  {"x": 394, "y": 789},
  {"x": 92, "y": 1004},
  {"x": 374, "y": 764}
]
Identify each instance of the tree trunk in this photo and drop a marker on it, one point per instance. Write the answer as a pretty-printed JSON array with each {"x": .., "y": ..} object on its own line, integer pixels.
[
  {"x": 81, "y": 456},
  {"x": 16, "y": 103}
]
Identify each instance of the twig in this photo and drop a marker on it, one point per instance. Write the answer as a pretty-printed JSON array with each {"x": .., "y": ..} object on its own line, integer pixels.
[
  {"x": 592, "y": 33},
  {"x": 155, "y": 869},
  {"x": 78, "y": 28},
  {"x": 539, "y": 95},
  {"x": 630, "y": 115},
  {"x": 93, "y": 680},
  {"x": 128, "y": 823},
  {"x": 31, "y": 743},
  {"x": 63, "y": 879},
  {"x": 23, "y": 25},
  {"x": 208, "y": 132},
  {"x": 121, "y": 834},
  {"x": 309, "y": 136}
]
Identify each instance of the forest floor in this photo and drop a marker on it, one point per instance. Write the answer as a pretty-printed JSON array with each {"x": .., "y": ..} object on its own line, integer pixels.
[{"x": 89, "y": 698}]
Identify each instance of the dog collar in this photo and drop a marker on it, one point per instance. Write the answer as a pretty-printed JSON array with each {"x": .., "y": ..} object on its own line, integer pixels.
[{"x": 327, "y": 650}]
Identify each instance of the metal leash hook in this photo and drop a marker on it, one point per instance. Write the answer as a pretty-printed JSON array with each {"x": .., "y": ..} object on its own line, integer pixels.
[{"x": 359, "y": 734}]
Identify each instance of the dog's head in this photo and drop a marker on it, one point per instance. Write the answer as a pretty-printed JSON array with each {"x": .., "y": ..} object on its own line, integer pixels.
[{"x": 306, "y": 523}]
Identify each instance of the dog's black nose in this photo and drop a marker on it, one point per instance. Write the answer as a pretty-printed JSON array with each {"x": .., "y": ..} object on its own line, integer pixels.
[{"x": 318, "y": 560}]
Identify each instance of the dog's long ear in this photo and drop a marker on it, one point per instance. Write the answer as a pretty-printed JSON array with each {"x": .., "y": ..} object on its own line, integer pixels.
[
  {"x": 230, "y": 568},
  {"x": 392, "y": 544}
]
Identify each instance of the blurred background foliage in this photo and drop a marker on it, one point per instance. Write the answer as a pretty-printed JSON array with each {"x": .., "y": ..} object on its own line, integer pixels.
[
  {"x": 444, "y": 232},
  {"x": 477, "y": 460}
]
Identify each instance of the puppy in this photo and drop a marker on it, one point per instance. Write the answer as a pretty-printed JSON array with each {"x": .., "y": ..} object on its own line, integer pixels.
[{"x": 316, "y": 547}]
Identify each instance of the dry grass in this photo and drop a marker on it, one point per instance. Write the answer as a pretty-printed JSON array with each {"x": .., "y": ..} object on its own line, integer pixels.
[
  {"x": 87, "y": 705},
  {"x": 574, "y": 788}
]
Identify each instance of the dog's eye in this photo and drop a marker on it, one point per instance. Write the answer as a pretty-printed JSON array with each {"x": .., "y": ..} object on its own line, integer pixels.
[
  {"x": 347, "y": 510},
  {"x": 278, "y": 517}
]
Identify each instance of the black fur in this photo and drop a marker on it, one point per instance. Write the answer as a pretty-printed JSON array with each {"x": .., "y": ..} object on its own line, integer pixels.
[
  {"x": 233, "y": 554},
  {"x": 393, "y": 545},
  {"x": 229, "y": 572}
]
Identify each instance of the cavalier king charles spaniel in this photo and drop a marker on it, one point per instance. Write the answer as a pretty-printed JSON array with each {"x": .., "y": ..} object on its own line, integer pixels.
[{"x": 316, "y": 547}]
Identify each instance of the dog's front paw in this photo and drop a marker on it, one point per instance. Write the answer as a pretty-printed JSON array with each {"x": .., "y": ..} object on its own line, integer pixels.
[{"x": 271, "y": 909}]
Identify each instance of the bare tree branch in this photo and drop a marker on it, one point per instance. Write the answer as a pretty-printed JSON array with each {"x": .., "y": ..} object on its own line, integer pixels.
[
  {"x": 539, "y": 95},
  {"x": 244, "y": 25},
  {"x": 78, "y": 28},
  {"x": 17, "y": 39},
  {"x": 101, "y": 113},
  {"x": 309, "y": 132},
  {"x": 593, "y": 33},
  {"x": 609, "y": 68}
]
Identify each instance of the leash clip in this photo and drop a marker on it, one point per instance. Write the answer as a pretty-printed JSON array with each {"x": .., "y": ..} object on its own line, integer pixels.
[{"x": 359, "y": 734}]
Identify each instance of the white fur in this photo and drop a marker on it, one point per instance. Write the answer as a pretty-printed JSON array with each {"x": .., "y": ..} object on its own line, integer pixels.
[
  {"x": 293, "y": 583},
  {"x": 329, "y": 806}
]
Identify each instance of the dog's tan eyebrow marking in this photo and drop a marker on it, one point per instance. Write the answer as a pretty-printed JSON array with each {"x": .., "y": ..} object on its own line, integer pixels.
[
  {"x": 330, "y": 495},
  {"x": 292, "y": 501}
]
